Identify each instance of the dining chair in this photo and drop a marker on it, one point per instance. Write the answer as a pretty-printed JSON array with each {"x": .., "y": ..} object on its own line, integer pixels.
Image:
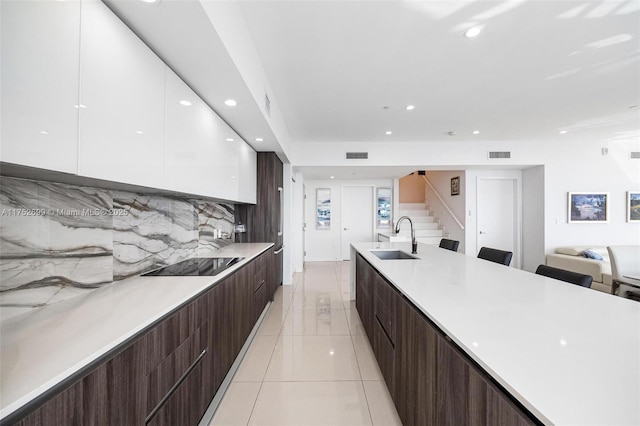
[
  {"x": 624, "y": 260},
  {"x": 564, "y": 275},
  {"x": 495, "y": 255},
  {"x": 449, "y": 244}
]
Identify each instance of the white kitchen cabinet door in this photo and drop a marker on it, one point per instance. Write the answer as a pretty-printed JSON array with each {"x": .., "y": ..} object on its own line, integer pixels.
[
  {"x": 203, "y": 154},
  {"x": 40, "y": 54},
  {"x": 190, "y": 149},
  {"x": 122, "y": 85},
  {"x": 247, "y": 174}
]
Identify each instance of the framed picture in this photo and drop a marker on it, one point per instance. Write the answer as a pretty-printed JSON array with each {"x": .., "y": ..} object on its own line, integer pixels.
[
  {"x": 588, "y": 207},
  {"x": 633, "y": 206},
  {"x": 455, "y": 185},
  {"x": 323, "y": 208},
  {"x": 383, "y": 208}
]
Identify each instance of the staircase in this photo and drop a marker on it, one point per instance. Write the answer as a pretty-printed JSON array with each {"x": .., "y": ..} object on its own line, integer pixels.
[{"x": 426, "y": 226}]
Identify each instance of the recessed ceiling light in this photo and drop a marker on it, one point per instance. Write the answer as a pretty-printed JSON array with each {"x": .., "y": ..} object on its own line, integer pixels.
[
  {"x": 79, "y": 106},
  {"x": 331, "y": 177},
  {"x": 259, "y": 139},
  {"x": 185, "y": 103},
  {"x": 230, "y": 102},
  {"x": 388, "y": 132},
  {"x": 410, "y": 107},
  {"x": 473, "y": 32},
  {"x": 562, "y": 132},
  {"x": 476, "y": 132},
  {"x": 149, "y": 1},
  {"x": 233, "y": 177},
  {"x": 139, "y": 132},
  {"x": 229, "y": 139},
  {"x": 44, "y": 132}
]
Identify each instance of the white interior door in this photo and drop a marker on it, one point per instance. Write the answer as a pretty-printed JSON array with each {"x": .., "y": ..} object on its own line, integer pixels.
[
  {"x": 357, "y": 216},
  {"x": 497, "y": 215}
]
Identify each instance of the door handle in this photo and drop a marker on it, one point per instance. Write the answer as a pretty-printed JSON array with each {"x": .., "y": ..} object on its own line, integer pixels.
[
  {"x": 346, "y": 229},
  {"x": 482, "y": 232}
]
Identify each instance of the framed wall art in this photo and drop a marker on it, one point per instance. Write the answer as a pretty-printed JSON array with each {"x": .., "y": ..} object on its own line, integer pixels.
[
  {"x": 588, "y": 207},
  {"x": 633, "y": 206},
  {"x": 455, "y": 185},
  {"x": 323, "y": 208},
  {"x": 383, "y": 208}
]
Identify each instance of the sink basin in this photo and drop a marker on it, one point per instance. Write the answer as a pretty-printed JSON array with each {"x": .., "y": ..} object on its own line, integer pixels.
[{"x": 392, "y": 254}]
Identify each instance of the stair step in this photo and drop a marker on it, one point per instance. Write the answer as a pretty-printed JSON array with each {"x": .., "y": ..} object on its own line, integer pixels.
[
  {"x": 423, "y": 232},
  {"x": 422, "y": 219},
  {"x": 412, "y": 206},
  {"x": 414, "y": 213},
  {"x": 420, "y": 225}
]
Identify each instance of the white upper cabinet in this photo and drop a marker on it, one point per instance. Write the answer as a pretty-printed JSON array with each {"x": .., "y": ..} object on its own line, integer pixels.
[
  {"x": 190, "y": 146},
  {"x": 203, "y": 154},
  {"x": 247, "y": 174},
  {"x": 122, "y": 85},
  {"x": 39, "y": 89}
]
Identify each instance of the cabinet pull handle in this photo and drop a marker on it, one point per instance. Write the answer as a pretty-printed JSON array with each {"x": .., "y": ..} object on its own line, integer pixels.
[
  {"x": 278, "y": 251},
  {"x": 175, "y": 387}
]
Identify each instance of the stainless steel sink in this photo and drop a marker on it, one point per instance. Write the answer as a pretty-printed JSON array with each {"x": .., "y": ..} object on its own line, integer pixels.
[{"x": 392, "y": 254}]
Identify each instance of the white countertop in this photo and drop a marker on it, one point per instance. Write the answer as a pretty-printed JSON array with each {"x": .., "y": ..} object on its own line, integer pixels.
[
  {"x": 40, "y": 349},
  {"x": 570, "y": 354}
]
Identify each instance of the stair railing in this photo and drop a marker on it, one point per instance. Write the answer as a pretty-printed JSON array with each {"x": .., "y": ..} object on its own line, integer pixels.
[{"x": 443, "y": 202}]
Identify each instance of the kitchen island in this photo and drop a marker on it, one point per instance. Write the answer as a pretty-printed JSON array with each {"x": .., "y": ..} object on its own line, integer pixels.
[
  {"x": 47, "y": 352},
  {"x": 560, "y": 353}
]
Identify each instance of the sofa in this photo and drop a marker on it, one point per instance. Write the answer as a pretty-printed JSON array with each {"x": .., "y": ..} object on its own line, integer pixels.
[{"x": 572, "y": 258}]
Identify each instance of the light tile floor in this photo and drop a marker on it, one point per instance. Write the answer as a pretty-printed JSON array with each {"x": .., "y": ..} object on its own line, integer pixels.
[{"x": 310, "y": 363}]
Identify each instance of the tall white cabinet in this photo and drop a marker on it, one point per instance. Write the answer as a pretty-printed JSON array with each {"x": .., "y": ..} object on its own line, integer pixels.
[
  {"x": 40, "y": 48},
  {"x": 122, "y": 85},
  {"x": 82, "y": 94}
]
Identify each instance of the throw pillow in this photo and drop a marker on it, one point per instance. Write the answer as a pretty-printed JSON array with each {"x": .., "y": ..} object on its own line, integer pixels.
[{"x": 590, "y": 254}]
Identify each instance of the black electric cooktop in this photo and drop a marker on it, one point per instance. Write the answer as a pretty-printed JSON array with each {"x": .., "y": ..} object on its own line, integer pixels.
[{"x": 199, "y": 266}]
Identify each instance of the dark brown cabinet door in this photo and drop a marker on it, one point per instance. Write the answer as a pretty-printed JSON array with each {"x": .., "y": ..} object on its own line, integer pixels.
[
  {"x": 416, "y": 360},
  {"x": 364, "y": 294},
  {"x": 465, "y": 395}
]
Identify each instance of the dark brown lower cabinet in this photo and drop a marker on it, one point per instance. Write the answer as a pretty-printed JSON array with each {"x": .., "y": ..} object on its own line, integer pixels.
[
  {"x": 466, "y": 395},
  {"x": 416, "y": 368},
  {"x": 169, "y": 374},
  {"x": 431, "y": 381},
  {"x": 364, "y": 290}
]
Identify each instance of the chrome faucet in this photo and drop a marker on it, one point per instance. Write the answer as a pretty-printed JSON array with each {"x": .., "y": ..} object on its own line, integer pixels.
[{"x": 414, "y": 243}]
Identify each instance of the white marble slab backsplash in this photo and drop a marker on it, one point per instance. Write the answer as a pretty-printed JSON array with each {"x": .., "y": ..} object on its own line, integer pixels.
[{"x": 58, "y": 241}]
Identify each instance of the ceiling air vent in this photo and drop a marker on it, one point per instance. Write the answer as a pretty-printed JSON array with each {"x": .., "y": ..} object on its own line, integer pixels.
[
  {"x": 357, "y": 155},
  {"x": 634, "y": 155},
  {"x": 499, "y": 154}
]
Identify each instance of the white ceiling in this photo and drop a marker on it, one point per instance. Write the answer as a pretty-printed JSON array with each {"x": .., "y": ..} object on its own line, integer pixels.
[{"x": 537, "y": 68}]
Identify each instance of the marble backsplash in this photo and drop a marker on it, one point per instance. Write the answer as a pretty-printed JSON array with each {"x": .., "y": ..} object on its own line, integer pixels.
[{"x": 58, "y": 241}]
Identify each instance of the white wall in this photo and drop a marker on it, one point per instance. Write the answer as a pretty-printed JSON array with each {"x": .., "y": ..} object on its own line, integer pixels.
[
  {"x": 287, "y": 231},
  {"x": 533, "y": 218},
  {"x": 297, "y": 224},
  {"x": 325, "y": 245},
  {"x": 441, "y": 181}
]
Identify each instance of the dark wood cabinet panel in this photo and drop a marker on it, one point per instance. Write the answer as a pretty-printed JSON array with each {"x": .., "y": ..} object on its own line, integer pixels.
[
  {"x": 364, "y": 294},
  {"x": 263, "y": 220},
  {"x": 65, "y": 408},
  {"x": 416, "y": 368}
]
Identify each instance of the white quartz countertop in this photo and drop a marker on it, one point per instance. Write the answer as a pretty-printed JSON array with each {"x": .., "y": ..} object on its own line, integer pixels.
[
  {"x": 571, "y": 355},
  {"x": 42, "y": 348}
]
